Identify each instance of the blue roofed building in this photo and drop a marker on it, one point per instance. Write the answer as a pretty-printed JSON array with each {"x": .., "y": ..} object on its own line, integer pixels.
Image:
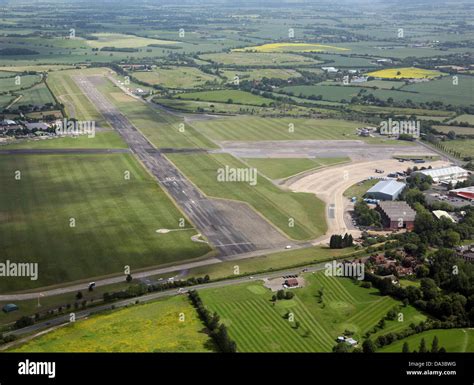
[{"x": 386, "y": 190}]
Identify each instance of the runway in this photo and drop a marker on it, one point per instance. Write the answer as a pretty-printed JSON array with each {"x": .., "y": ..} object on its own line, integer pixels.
[{"x": 218, "y": 225}]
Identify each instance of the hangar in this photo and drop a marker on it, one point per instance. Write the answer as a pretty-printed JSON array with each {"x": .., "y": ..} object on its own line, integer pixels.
[{"x": 386, "y": 190}]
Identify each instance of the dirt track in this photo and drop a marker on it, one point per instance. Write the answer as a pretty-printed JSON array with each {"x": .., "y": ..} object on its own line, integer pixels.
[{"x": 329, "y": 185}]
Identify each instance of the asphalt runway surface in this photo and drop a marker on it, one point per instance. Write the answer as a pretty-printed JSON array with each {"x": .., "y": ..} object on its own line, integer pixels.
[{"x": 202, "y": 212}]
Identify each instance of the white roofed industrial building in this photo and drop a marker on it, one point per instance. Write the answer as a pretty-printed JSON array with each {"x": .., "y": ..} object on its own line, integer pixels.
[
  {"x": 445, "y": 174},
  {"x": 386, "y": 190}
]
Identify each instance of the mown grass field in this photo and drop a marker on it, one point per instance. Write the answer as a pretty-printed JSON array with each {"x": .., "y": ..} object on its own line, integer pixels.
[
  {"x": 151, "y": 327},
  {"x": 160, "y": 127},
  {"x": 258, "y": 59},
  {"x": 459, "y": 130},
  {"x": 176, "y": 77},
  {"x": 105, "y": 139},
  {"x": 227, "y": 96},
  {"x": 258, "y": 326},
  {"x": 291, "y": 47},
  {"x": 280, "y": 168},
  {"x": 405, "y": 73},
  {"x": 466, "y": 118},
  {"x": 255, "y": 129},
  {"x": 358, "y": 190},
  {"x": 115, "y": 219},
  {"x": 275, "y": 205},
  {"x": 76, "y": 104},
  {"x": 453, "y": 340}
]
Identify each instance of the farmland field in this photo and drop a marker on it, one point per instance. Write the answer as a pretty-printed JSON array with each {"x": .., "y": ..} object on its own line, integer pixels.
[
  {"x": 278, "y": 168},
  {"x": 258, "y": 59},
  {"x": 291, "y": 47},
  {"x": 258, "y": 326},
  {"x": 116, "y": 219},
  {"x": 463, "y": 118},
  {"x": 453, "y": 340},
  {"x": 230, "y": 96},
  {"x": 257, "y": 74},
  {"x": 38, "y": 95},
  {"x": 405, "y": 73},
  {"x": 457, "y": 129},
  {"x": 151, "y": 327},
  {"x": 274, "y": 204},
  {"x": 119, "y": 40},
  {"x": 255, "y": 129},
  {"x": 465, "y": 147},
  {"x": 176, "y": 77}
]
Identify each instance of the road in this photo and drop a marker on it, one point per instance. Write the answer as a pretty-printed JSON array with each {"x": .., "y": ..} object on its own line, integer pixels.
[{"x": 162, "y": 294}]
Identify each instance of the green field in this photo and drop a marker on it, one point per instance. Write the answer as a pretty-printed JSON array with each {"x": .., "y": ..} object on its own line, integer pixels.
[
  {"x": 14, "y": 84},
  {"x": 274, "y": 204},
  {"x": 465, "y": 147},
  {"x": 258, "y": 326},
  {"x": 259, "y": 59},
  {"x": 176, "y": 77},
  {"x": 280, "y": 168},
  {"x": 227, "y": 96},
  {"x": 358, "y": 190},
  {"x": 255, "y": 129},
  {"x": 151, "y": 327},
  {"x": 160, "y": 127},
  {"x": 76, "y": 104},
  {"x": 257, "y": 74},
  {"x": 453, "y": 340},
  {"x": 116, "y": 219},
  {"x": 466, "y": 118},
  {"x": 37, "y": 95},
  {"x": 459, "y": 130},
  {"x": 105, "y": 139}
]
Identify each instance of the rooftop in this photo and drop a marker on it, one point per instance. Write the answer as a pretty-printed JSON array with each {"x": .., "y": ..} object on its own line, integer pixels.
[
  {"x": 398, "y": 210},
  {"x": 390, "y": 187},
  {"x": 437, "y": 172}
]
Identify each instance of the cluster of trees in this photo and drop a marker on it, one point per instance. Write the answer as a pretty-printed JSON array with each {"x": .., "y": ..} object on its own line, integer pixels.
[
  {"x": 281, "y": 294},
  {"x": 447, "y": 293},
  {"x": 365, "y": 216},
  {"x": 423, "y": 349},
  {"x": 218, "y": 332},
  {"x": 340, "y": 242}
]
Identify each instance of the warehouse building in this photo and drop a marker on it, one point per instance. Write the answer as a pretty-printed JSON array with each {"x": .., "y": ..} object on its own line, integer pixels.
[
  {"x": 465, "y": 192},
  {"x": 445, "y": 174},
  {"x": 397, "y": 215},
  {"x": 386, "y": 190}
]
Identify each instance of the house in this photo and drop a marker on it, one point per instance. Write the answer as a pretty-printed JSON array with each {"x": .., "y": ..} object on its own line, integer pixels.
[
  {"x": 291, "y": 282},
  {"x": 397, "y": 215},
  {"x": 37, "y": 126}
]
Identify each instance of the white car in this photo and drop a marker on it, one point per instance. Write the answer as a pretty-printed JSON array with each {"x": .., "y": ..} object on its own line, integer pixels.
[{"x": 288, "y": 247}]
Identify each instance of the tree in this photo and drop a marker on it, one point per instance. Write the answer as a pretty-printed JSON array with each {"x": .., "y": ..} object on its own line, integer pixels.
[
  {"x": 435, "y": 345},
  {"x": 129, "y": 278},
  {"x": 341, "y": 347},
  {"x": 422, "y": 348},
  {"x": 368, "y": 346},
  {"x": 280, "y": 294},
  {"x": 79, "y": 295},
  {"x": 406, "y": 348}
]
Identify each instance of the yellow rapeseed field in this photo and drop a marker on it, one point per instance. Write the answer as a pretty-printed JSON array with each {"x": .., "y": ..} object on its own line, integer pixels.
[
  {"x": 405, "y": 73},
  {"x": 291, "y": 47},
  {"x": 152, "y": 327}
]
